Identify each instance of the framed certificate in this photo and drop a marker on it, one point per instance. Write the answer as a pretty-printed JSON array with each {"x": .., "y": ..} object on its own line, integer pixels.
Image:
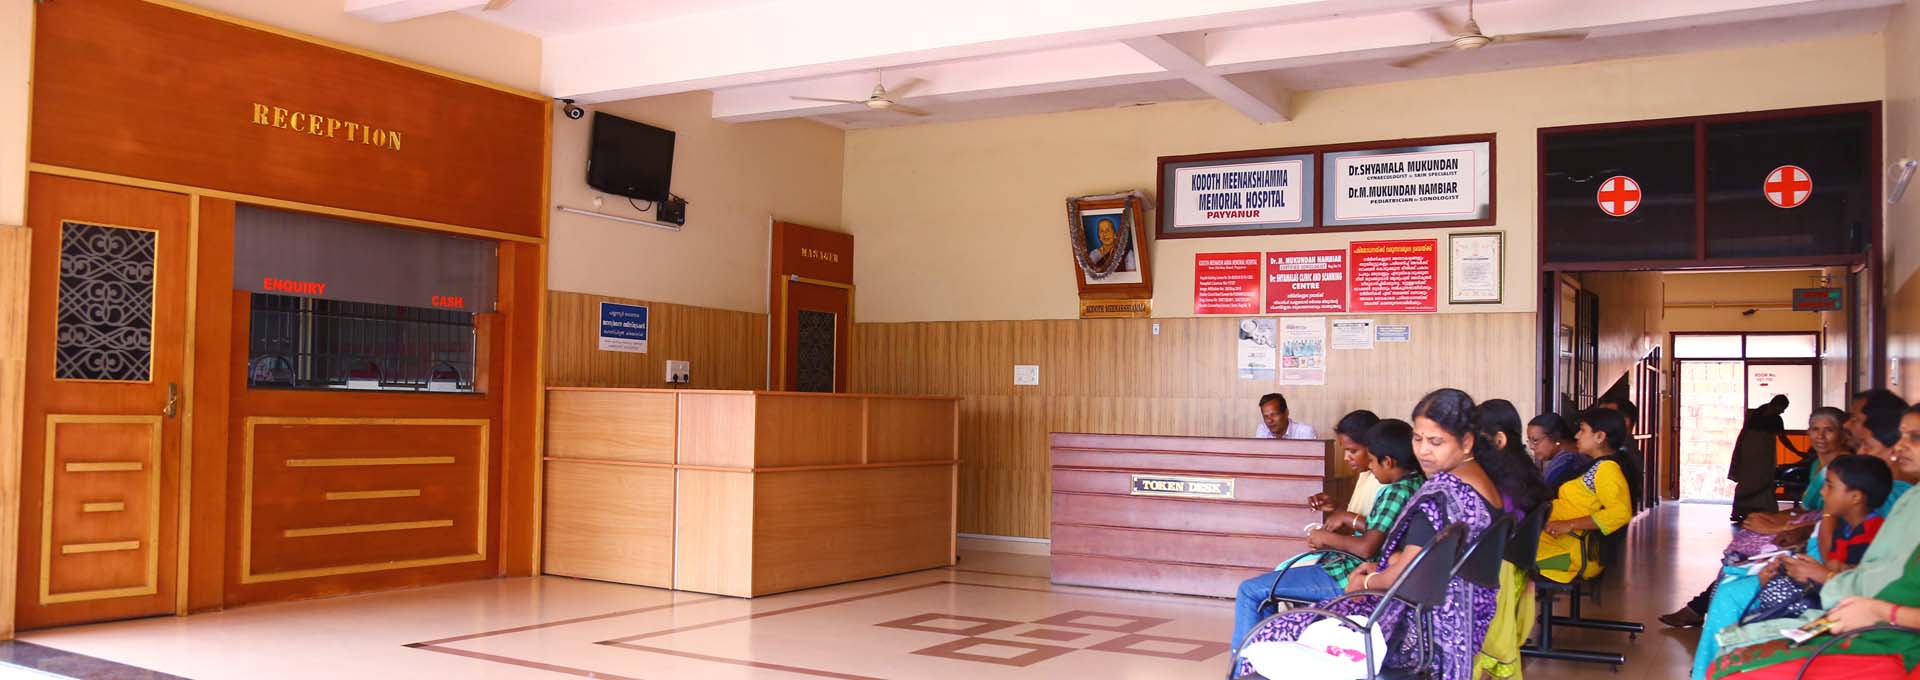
[{"x": 1475, "y": 267}]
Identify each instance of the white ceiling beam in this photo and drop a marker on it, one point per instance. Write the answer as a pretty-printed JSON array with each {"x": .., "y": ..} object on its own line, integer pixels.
[
  {"x": 389, "y": 11},
  {"x": 1184, "y": 56},
  {"x": 797, "y": 39},
  {"x": 1073, "y": 68}
]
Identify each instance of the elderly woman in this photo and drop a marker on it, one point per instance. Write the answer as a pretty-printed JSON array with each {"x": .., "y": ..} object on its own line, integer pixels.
[
  {"x": 1899, "y": 534},
  {"x": 1885, "y": 587}
]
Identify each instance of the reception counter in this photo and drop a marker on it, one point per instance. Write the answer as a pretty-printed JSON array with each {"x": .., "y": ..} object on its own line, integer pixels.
[
  {"x": 747, "y": 493},
  {"x": 1189, "y": 515}
]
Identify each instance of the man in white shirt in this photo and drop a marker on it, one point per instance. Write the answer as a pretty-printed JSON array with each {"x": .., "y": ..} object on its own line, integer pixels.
[{"x": 1276, "y": 425}]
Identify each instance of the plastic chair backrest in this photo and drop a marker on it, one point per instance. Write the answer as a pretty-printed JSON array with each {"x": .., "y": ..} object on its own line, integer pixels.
[
  {"x": 1424, "y": 583},
  {"x": 1480, "y": 565},
  {"x": 1524, "y": 548}
]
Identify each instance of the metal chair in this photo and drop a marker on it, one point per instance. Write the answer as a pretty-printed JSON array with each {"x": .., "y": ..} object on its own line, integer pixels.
[
  {"x": 1524, "y": 551},
  {"x": 1421, "y": 586}
]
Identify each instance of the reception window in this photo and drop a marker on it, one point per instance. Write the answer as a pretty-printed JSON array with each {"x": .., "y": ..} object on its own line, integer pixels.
[
  {"x": 344, "y": 305},
  {"x": 304, "y": 343}
]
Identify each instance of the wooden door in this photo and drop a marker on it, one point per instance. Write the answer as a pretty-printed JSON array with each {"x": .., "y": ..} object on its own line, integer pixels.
[
  {"x": 106, "y": 343},
  {"x": 819, "y": 315}
]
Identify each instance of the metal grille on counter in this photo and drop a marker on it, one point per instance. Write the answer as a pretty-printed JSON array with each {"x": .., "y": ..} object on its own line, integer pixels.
[{"x": 306, "y": 343}]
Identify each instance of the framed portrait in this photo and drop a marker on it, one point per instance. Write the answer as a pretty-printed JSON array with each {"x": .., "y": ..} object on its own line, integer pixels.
[{"x": 1106, "y": 235}]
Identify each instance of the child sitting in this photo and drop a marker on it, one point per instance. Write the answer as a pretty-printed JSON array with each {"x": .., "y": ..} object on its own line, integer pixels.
[
  {"x": 1855, "y": 486},
  {"x": 1391, "y": 444}
]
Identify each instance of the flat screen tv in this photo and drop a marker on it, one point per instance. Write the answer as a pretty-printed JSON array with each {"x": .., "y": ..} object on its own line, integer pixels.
[{"x": 629, "y": 158}]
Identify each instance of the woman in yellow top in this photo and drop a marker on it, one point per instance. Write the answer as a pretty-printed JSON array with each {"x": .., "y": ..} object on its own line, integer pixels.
[{"x": 1600, "y": 499}]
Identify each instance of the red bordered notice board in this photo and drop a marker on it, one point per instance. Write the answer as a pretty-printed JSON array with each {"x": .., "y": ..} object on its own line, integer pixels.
[
  {"x": 1395, "y": 276},
  {"x": 1226, "y": 283}
]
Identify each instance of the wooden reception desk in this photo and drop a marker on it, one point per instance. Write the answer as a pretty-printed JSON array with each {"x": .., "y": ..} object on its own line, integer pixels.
[
  {"x": 747, "y": 493},
  {"x": 1189, "y": 515}
]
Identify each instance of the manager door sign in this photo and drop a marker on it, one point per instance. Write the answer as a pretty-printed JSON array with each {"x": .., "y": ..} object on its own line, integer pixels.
[
  {"x": 1788, "y": 186},
  {"x": 1619, "y": 196}
]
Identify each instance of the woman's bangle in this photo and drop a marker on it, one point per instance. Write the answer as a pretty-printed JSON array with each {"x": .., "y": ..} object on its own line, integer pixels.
[
  {"x": 1367, "y": 583},
  {"x": 1893, "y": 617}
]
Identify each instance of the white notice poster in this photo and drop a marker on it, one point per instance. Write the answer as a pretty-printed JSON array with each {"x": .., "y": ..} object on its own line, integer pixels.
[
  {"x": 1303, "y": 350},
  {"x": 1255, "y": 353},
  {"x": 1251, "y": 193},
  {"x": 1473, "y": 272},
  {"x": 1353, "y": 333},
  {"x": 1441, "y": 183}
]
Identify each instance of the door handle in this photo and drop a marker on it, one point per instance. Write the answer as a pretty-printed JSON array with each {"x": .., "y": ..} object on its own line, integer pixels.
[{"x": 173, "y": 401}]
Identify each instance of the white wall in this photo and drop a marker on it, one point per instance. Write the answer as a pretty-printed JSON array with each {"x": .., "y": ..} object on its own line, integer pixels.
[
  {"x": 964, "y": 221},
  {"x": 735, "y": 177},
  {"x": 16, "y": 59}
]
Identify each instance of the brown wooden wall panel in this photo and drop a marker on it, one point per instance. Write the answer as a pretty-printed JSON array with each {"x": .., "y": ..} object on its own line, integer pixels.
[
  {"x": 209, "y": 395},
  {"x": 713, "y": 532},
  {"x": 142, "y": 90},
  {"x": 911, "y": 429},
  {"x": 1113, "y": 572},
  {"x": 15, "y": 262},
  {"x": 609, "y": 522},
  {"x": 1116, "y": 376},
  {"x": 631, "y": 427},
  {"x": 727, "y": 350},
  {"x": 1253, "y": 489},
  {"x": 805, "y": 430},
  {"x": 1148, "y": 512},
  {"x": 717, "y": 429},
  {"x": 817, "y": 528},
  {"x": 330, "y": 497},
  {"x": 520, "y": 323},
  {"x": 1253, "y": 552}
]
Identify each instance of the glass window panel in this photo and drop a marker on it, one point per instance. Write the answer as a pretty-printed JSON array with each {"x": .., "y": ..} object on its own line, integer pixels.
[
  {"x": 1782, "y": 346},
  {"x": 105, "y": 325},
  {"x": 1834, "y": 149},
  {"x": 1706, "y": 346},
  {"x": 1660, "y": 159},
  {"x": 1764, "y": 382}
]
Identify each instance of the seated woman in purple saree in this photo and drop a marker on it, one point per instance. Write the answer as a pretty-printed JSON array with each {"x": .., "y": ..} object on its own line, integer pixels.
[{"x": 1461, "y": 473}]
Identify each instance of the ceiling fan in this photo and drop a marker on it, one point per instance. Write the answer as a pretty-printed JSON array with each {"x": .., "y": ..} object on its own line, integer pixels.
[
  {"x": 1469, "y": 37},
  {"x": 882, "y": 98}
]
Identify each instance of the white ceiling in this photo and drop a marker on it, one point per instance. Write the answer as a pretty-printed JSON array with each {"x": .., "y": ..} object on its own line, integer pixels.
[
  {"x": 558, "y": 18},
  {"x": 986, "y": 58}
]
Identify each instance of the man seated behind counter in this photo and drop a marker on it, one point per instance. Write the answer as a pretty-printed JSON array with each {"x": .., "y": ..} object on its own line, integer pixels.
[{"x": 1276, "y": 425}]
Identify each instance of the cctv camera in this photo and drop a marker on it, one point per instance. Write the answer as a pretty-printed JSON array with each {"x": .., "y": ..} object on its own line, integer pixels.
[{"x": 573, "y": 111}]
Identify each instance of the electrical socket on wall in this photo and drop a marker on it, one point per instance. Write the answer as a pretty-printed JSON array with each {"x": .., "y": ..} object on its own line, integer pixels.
[
  {"x": 1026, "y": 374},
  {"x": 678, "y": 372}
]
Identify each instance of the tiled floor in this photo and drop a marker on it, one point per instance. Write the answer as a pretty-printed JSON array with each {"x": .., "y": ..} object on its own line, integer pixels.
[{"x": 994, "y": 616}]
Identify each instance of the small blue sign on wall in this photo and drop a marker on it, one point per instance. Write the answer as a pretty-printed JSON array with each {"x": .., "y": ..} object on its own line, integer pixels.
[{"x": 623, "y": 328}]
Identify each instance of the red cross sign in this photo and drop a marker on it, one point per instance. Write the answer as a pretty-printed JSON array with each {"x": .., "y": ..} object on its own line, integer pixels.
[
  {"x": 1788, "y": 186},
  {"x": 1618, "y": 196}
]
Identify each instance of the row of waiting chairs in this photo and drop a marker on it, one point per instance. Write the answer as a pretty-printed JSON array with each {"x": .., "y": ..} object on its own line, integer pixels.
[{"x": 1423, "y": 585}]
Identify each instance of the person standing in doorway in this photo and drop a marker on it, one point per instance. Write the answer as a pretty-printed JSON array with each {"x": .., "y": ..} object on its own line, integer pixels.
[
  {"x": 1754, "y": 456},
  {"x": 1276, "y": 423}
]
